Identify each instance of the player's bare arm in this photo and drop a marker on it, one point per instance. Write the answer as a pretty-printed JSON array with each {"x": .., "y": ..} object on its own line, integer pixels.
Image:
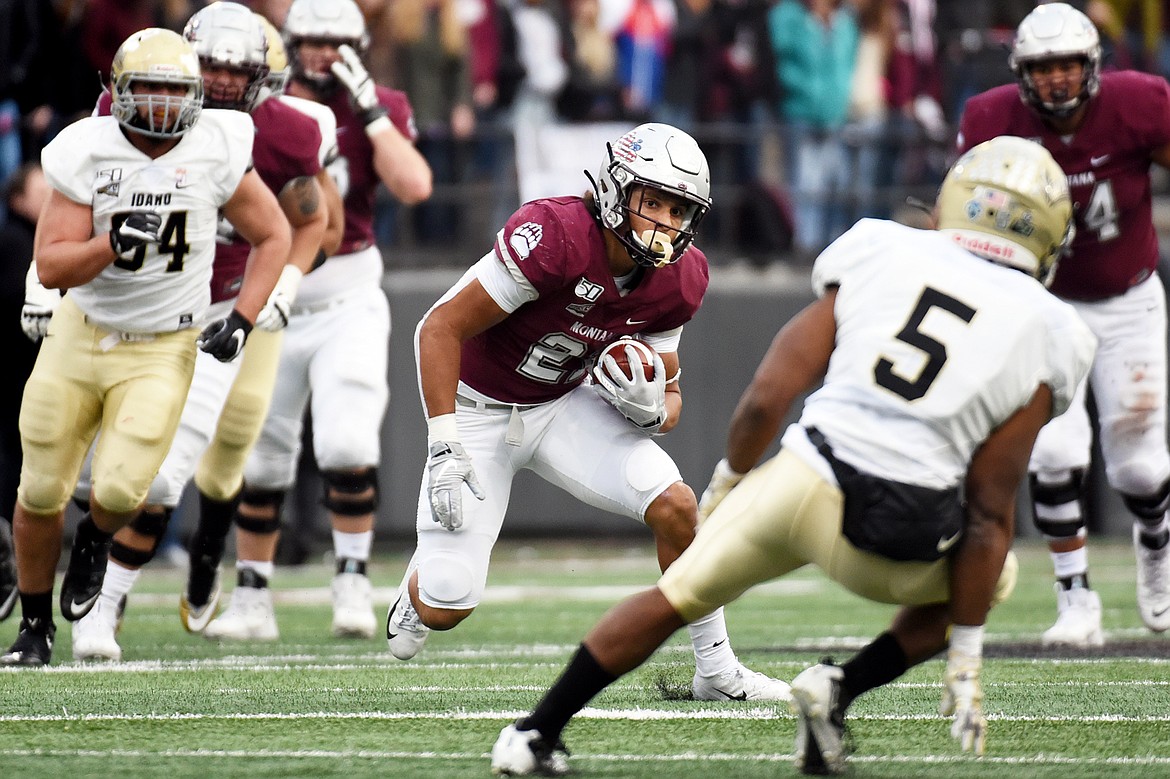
[
  {"x": 255, "y": 213},
  {"x": 997, "y": 470},
  {"x": 401, "y": 166},
  {"x": 301, "y": 201},
  {"x": 67, "y": 252},
  {"x": 796, "y": 361},
  {"x": 334, "y": 209},
  {"x": 441, "y": 337},
  {"x": 673, "y": 391}
]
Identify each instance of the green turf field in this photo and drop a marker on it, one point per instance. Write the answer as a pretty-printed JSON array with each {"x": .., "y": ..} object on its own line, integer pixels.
[{"x": 314, "y": 706}]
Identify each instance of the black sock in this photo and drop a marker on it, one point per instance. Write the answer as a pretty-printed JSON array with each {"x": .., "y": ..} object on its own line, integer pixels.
[
  {"x": 37, "y": 606},
  {"x": 880, "y": 662},
  {"x": 215, "y": 519},
  {"x": 582, "y": 679}
]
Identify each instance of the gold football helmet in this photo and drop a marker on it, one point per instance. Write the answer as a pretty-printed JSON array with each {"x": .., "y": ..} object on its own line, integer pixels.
[
  {"x": 157, "y": 58},
  {"x": 278, "y": 69},
  {"x": 1007, "y": 200}
]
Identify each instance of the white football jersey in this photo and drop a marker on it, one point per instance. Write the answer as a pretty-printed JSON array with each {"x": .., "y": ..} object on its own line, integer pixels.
[
  {"x": 935, "y": 349},
  {"x": 164, "y": 286},
  {"x": 325, "y": 119}
]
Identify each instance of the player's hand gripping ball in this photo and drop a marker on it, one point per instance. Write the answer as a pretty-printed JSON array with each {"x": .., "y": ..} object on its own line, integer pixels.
[{"x": 620, "y": 351}]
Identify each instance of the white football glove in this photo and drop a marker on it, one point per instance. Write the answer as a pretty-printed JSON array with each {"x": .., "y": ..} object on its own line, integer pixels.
[
  {"x": 722, "y": 480},
  {"x": 640, "y": 400},
  {"x": 275, "y": 314},
  {"x": 353, "y": 75},
  {"x": 963, "y": 697},
  {"x": 39, "y": 305},
  {"x": 448, "y": 469}
]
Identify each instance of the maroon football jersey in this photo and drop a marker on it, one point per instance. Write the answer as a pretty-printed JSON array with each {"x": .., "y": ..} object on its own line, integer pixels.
[
  {"x": 1107, "y": 162},
  {"x": 544, "y": 348},
  {"x": 354, "y": 169},
  {"x": 286, "y": 147}
]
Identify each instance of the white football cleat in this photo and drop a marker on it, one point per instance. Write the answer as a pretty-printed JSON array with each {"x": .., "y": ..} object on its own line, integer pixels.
[
  {"x": 1153, "y": 583},
  {"x": 249, "y": 616},
  {"x": 94, "y": 635},
  {"x": 1078, "y": 620},
  {"x": 353, "y": 610},
  {"x": 525, "y": 752},
  {"x": 820, "y": 720},
  {"x": 740, "y": 683},
  {"x": 405, "y": 632}
]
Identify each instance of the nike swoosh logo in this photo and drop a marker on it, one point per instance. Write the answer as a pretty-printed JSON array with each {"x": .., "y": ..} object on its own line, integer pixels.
[
  {"x": 741, "y": 697},
  {"x": 84, "y": 606},
  {"x": 389, "y": 614},
  {"x": 636, "y": 321},
  {"x": 1095, "y": 161},
  {"x": 1161, "y": 611},
  {"x": 946, "y": 543}
]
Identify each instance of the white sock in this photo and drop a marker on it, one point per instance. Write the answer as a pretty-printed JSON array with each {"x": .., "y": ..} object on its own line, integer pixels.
[
  {"x": 264, "y": 568},
  {"x": 1074, "y": 563},
  {"x": 355, "y": 546},
  {"x": 713, "y": 653},
  {"x": 118, "y": 582}
]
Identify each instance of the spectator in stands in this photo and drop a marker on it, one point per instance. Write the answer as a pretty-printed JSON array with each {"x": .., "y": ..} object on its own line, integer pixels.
[
  {"x": 430, "y": 54},
  {"x": 592, "y": 92},
  {"x": 643, "y": 40},
  {"x": 815, "y": 42}
]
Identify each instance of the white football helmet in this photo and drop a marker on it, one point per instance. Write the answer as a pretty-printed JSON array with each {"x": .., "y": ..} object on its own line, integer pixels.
[
  {"x": 156, "y": 56},
  {"x": 1056, "y": 31},
  {"x": 229, "y": 35},
  {"x": 333, "y": 21},
  {"x": 664, "y": 158},
  {"x": 1007, "y": 201}
]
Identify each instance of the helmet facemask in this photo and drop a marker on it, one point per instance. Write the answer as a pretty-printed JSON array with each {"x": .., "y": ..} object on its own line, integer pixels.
[{"x": 654, "y": 157}]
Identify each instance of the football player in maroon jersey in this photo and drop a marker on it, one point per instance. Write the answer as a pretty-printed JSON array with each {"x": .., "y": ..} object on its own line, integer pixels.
[
  {"x": 1105, "y": 130},
  {"x": 336, "y": 348},
  {"x": 503, "y": 361}
]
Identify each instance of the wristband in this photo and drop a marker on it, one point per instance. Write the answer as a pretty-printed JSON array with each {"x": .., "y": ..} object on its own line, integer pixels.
[
  {"x": 442, "y": 428},
  {"x": 378, "y": 124}
]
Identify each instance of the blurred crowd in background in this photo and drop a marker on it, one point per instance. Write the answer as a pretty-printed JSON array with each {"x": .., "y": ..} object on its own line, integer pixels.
[{"x": 813, "y": 113}]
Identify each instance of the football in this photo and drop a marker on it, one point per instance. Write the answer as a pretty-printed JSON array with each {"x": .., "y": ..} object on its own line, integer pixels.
[{"x": 617, "y": 350}]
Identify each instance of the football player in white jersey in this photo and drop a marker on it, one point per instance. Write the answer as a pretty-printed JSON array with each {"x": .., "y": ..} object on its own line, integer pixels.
[
  {"x": 899, "y": 481},
  {"x": 129, "y": 231},
  {"x": 214, "y": 437}
]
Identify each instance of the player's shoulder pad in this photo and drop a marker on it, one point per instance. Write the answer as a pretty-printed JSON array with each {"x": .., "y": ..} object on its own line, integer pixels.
[{"x": 864, "y": 242}]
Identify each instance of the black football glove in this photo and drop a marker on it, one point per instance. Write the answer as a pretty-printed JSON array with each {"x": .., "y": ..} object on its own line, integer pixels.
[
  {"x": 224, "y": 339},
  {"x": 138, "y": 228}
]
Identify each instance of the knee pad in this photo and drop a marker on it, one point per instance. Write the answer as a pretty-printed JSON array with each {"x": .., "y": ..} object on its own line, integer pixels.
[
  {"x": 273, "y": 499},
  {"x": 345, "y": 492},
  {"x": 150, "y": 524},
  {"x": 446, "y": 581},
  {"x": 1152, "y": 507},
  {"x": 1058, "y": 506}
]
